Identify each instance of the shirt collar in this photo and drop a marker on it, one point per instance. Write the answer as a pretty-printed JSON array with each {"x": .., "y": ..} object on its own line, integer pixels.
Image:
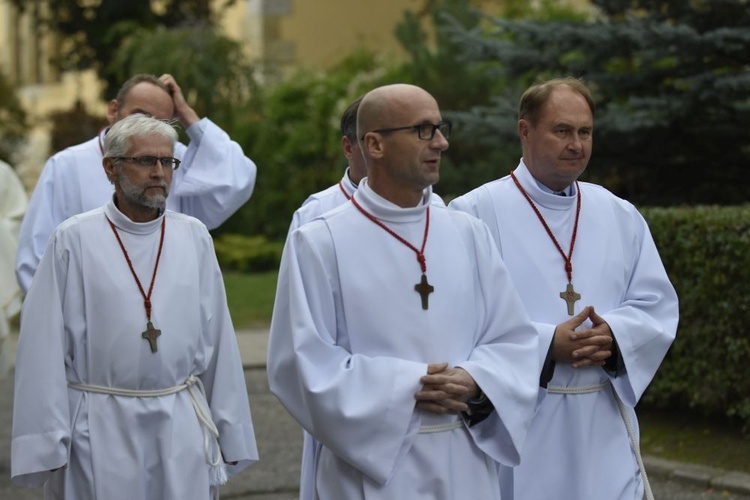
[
  {"x": 123, "y": 222},
  {"x": 388, "y": 211},
  {"x": 541, "y": 194}
]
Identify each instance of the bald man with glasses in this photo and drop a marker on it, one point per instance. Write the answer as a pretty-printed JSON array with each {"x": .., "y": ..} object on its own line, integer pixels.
[{"x": 391, "y": 317}]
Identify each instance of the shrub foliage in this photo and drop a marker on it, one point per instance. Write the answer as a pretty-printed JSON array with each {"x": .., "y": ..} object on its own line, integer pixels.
[
  {"x": 244, "y": 254},
  {"x": 706, "y": 251}
]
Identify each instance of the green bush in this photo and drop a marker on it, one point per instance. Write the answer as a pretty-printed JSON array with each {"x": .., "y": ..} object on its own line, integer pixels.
[
  {"x": 706, "y": 251},
  {"x": 244, "y": 254}
]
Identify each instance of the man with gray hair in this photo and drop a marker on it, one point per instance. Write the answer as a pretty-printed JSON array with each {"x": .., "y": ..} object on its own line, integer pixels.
[
  {"x": 129, "y": 383},
  {"x": 215, "y": 180}
]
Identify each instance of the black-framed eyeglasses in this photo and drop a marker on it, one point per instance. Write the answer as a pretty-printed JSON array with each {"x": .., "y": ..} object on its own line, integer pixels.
[
  {"x": 425, "y": 131},
  {"x": 150, "y": 161}
]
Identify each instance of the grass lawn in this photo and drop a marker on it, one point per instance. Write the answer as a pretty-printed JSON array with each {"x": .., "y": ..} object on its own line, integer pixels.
[
  {"x": 686, "y": 437},
  {"x": 250, "y": 298},
  {"x": 674, "y": 436}
]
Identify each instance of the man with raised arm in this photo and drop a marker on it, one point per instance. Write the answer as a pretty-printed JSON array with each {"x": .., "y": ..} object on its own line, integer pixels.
[{"x": 215, "y": 178}]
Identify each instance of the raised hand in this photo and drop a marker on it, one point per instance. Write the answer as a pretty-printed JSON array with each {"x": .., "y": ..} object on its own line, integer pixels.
[{"x": 182, "y": 109}]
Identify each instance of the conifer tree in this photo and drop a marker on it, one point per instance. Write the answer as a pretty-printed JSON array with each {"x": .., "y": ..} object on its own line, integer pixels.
[{"x": 672, "y": 85}]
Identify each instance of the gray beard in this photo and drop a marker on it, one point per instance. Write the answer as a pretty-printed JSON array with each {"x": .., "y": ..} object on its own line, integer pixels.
[{"x": 138, "y": 196}]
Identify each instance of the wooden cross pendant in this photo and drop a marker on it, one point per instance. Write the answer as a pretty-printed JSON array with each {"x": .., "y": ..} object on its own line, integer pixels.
[
  {"x": 570, "y": 297},
  {"x": 424, "y": 289},
  {"x": 151, "y": 334}
]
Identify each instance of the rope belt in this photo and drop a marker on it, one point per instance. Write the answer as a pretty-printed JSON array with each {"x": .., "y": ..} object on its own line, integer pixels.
[
  {"x": 429, "y": 429},
  {"x": 625, "y": 417},
  {"x": 584, "y": 389},
  {"x": 210, "y": 432}
]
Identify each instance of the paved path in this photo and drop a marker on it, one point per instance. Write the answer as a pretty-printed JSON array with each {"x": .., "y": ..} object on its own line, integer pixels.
[{"x": 279, "y": 438}]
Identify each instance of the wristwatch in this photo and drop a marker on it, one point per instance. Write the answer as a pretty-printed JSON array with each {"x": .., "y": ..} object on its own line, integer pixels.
[{"x": 480, "y": 408}]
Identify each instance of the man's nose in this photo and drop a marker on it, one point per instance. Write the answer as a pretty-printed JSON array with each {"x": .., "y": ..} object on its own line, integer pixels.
[
  {"x": 158, "y": 170},
  {"x": 439, "y": 141}
]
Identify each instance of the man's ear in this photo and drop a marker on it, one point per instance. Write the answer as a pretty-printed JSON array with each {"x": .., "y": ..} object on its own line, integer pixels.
[
  {"x": 523, "y": 128},
  {"x": 373, "y": 145},
  {"x": 109, "y": 169},
  {"x": 347, "y": 146},
  {"x": 112, "y": 109}
]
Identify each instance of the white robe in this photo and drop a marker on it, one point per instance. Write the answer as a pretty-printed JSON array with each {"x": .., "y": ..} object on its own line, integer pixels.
[
  {"x": 315, "y": 205},
  {"x": 213, "y": 181},
  {"x": 578, "y": 446},
  {"x": 323, "y": 201},
  {"x": 81, "y": 323},
  {"x": 349, "y": 342},
  {"x": 12, "y": 206}
]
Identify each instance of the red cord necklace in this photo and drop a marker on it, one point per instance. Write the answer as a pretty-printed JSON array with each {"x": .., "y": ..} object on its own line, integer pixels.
[
  {"x": 341, "y": 185},
  {"x": 423, "y": 287},
  {"x": 151, "y": 333},
  {"x": 569, "y": 295}
]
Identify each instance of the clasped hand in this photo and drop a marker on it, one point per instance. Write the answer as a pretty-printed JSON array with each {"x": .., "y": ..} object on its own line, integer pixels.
[
  {"x": 445, "y": 390},
  {"x": 588, "y": 347}
]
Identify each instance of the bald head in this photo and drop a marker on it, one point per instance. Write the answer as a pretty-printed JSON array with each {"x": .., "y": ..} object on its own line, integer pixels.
[
  {"x": 389, "y": 106},
  {"x": 143, "y": 94},
  {"x": 401, "y": 135}
]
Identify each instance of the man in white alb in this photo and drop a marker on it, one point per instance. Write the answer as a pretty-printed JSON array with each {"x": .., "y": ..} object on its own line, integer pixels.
[
  {"x": 214, "y": 180},
  {"x": 129, "y": 383},
  {"x": 391, "y": 318},
  {"x": 590, "y": 277},
  {"x": 12, "y": 206},
  {"x": 318, "y": 204}
]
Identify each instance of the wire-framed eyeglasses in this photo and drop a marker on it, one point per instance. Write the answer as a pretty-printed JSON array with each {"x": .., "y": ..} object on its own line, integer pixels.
[
  {"x": 150, "y": 161},
  {"x": 425, "y": 131}
]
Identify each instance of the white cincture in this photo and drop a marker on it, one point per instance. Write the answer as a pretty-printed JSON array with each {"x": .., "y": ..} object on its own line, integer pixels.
[
  {"x": 429, "y": 429},
  {"x": 625, "y": 417},
  {"x": 218, "y": 475},
  {"x": 584, "y": 389}
]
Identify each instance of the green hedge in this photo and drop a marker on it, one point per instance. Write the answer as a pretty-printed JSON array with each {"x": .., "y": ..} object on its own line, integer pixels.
[
  {"x": 237, "y": 252},
  {"x": 706, "y": 251}
]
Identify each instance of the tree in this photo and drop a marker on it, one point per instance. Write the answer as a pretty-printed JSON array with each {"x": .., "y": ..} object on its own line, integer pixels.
[
  {"x": 211, "y": 69},
  {"x": 460, "y": 84},
  {"x": 91, "y": 32},
  {"x": 672, "y": 85},
  {"x": 120, "y": 39},
  {"x": 291, "y": 130},
  {"x": 433, "y": 65}
]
